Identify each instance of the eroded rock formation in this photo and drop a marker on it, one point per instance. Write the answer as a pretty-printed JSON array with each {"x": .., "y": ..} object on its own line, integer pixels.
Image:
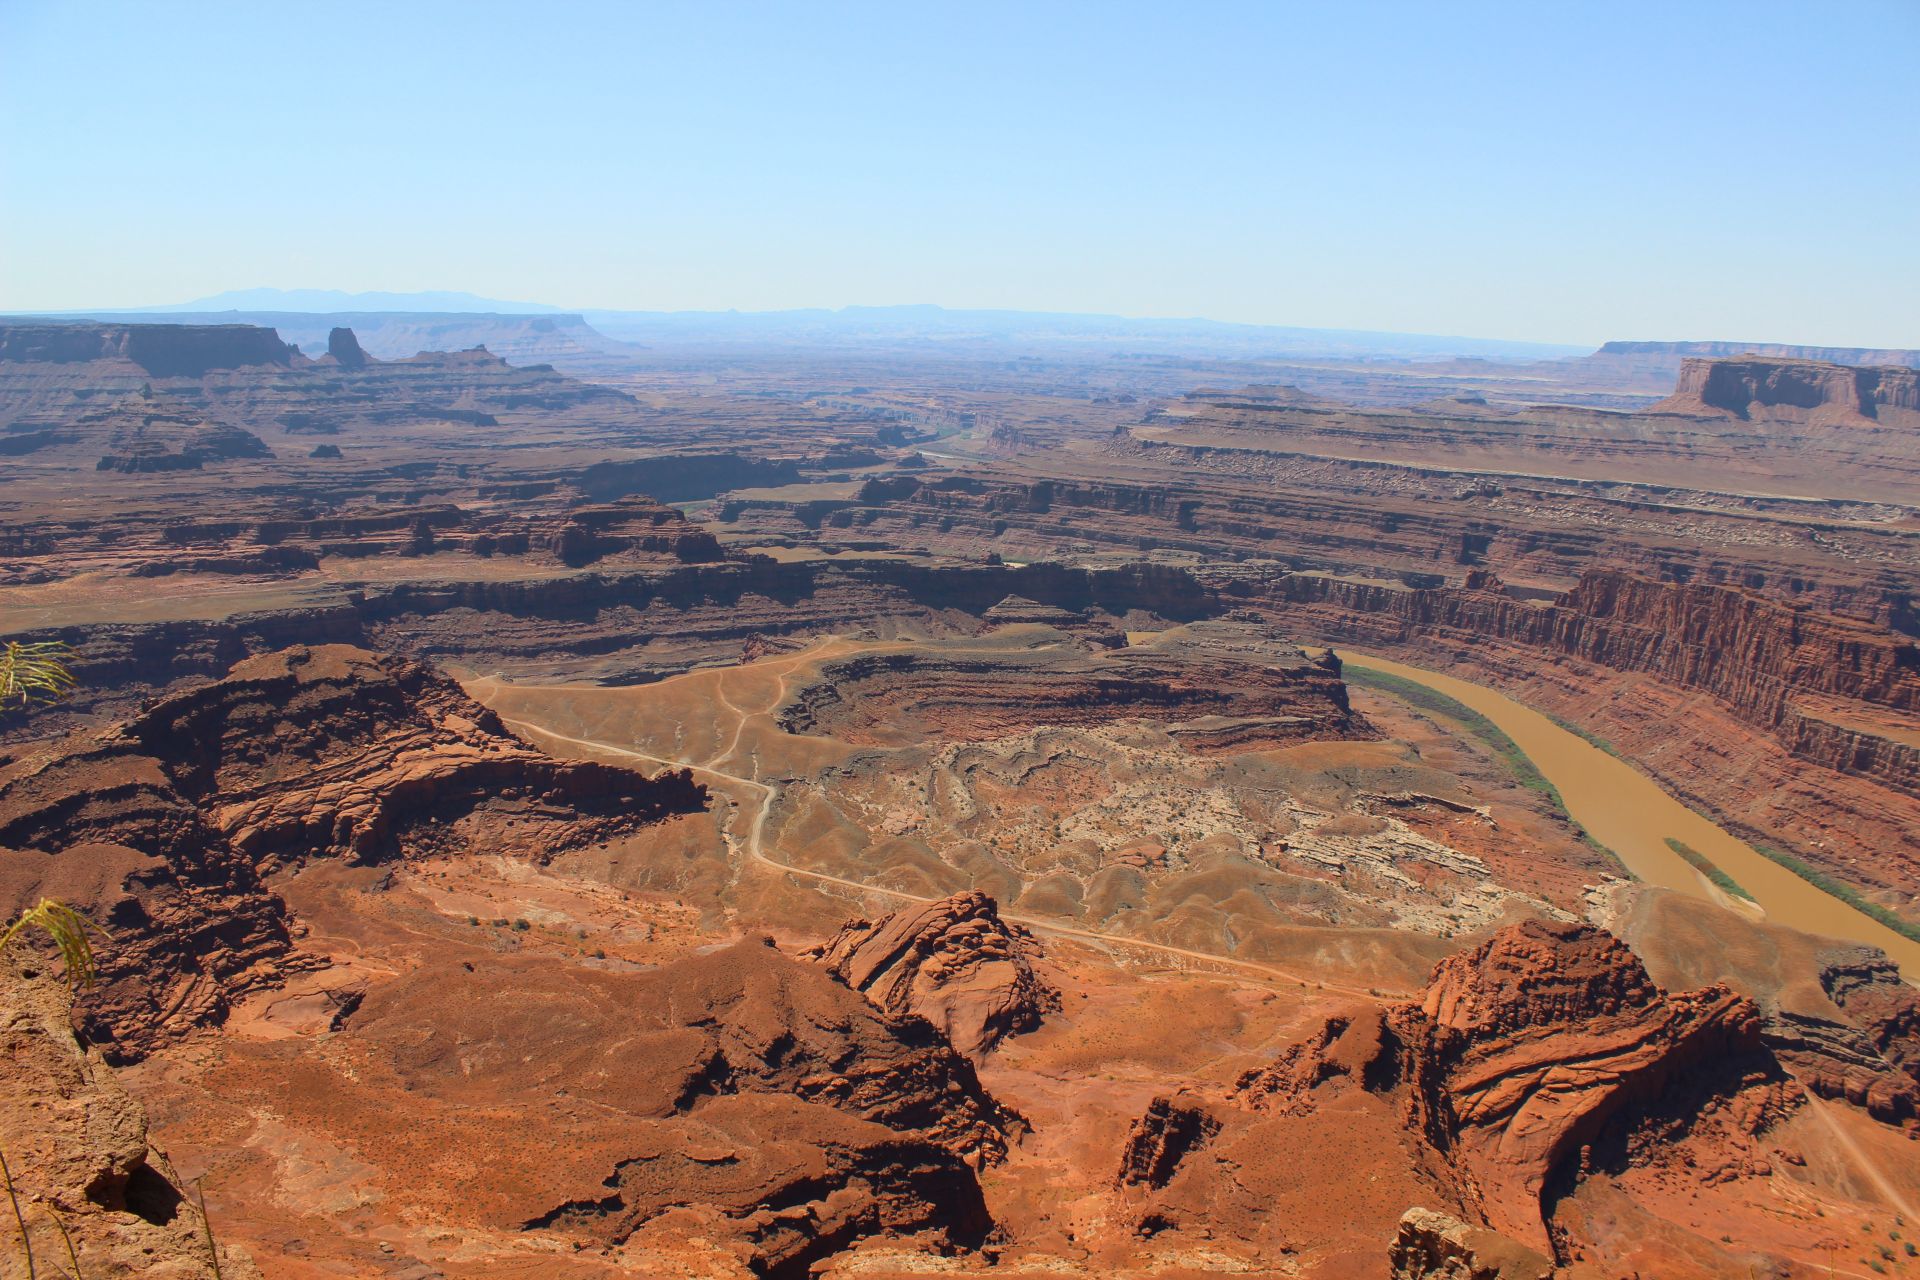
[
  {"x": 1436, "y": 1246},
  {"x": 781, "y": 1108},
  {"x": 163, "y": 827},
  {"x": 1872, "y": 1058},
  {"x": 1546, "y": 1042},
  {"x": 1169, "y": 1131},
  {"x": 954, "y": 962}
]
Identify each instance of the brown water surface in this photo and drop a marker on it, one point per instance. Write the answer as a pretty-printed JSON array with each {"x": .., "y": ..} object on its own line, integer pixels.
[{"x": 1629, "y": 813}]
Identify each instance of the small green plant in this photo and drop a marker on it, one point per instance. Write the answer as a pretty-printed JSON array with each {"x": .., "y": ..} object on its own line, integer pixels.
[
  {"x": 521, "y": 925},
  {"x": 68, "y": 929},
  {"x": 1705, "y": 866},
  {"x": 36, "y": 672}
]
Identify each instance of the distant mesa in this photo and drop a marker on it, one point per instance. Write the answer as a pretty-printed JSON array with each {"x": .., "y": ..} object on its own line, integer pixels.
[
  {"x": 161, "y": 350},
  {"x": 1762, "y": 388},
  {"x": 335, "y": 300},
  {"x": 325, "y": 451}
]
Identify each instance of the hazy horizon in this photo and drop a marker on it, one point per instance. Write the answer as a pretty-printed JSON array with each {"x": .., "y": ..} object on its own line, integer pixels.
[{"x": 1717, "y": 171}]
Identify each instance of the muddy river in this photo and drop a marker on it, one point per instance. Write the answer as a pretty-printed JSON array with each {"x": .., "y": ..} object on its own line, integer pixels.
[{"x": 1629, "y": 813}]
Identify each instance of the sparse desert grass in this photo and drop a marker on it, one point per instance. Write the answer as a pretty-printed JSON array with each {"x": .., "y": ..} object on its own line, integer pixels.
[
  {"x": 34, "y": 672},
  {"x": 68, "y": 929}
]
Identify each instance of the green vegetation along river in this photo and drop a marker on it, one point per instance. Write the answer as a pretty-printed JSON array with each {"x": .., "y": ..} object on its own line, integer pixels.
[{"x": 1628, "y": 812}]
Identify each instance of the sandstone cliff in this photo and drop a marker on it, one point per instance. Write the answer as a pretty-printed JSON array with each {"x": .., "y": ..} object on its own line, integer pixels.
[{"x": 1808, "y": 677}]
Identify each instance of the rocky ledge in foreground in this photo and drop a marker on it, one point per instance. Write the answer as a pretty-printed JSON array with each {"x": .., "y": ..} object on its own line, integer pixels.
[
  {"x": 954, "y": 962},
  {"x": 164, "y": 828},
  {"x": 82, "y": 1171}
]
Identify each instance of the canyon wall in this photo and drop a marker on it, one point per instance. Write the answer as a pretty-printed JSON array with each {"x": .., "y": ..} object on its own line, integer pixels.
[{"x": 1779, "y": 668}]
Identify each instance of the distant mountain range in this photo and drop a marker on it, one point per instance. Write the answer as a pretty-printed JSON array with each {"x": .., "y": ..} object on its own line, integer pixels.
[
  {"x": 864, "y": 325},
  {"x": 334, "y": 300}
]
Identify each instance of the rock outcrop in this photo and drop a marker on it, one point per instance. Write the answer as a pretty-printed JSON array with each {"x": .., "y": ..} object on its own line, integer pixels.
[
  {"x": 953, "y": 962},
  {"x": 1872, "y": 1058},
  {"x": 345, "y": 349},
  {"x": 1170, "y": 1130},
  {"x": 164, "y": 827},
  {"x": 1435, "y": 1246},
  {"x": 1532, "y": 1057},
  {"x": 81, "y": 1165}
]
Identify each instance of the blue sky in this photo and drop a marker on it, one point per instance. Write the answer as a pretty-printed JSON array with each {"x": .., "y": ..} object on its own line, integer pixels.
[{"x": 1545, "y": 171}]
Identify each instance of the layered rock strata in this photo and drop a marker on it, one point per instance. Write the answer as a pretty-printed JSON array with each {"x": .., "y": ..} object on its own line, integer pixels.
[
  {"x": 1531, "y": 1055},
  {"x": 953, "y": 962},
  {"x": 164, "y": 827},
  {"x": 1218, "y": 685}
]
